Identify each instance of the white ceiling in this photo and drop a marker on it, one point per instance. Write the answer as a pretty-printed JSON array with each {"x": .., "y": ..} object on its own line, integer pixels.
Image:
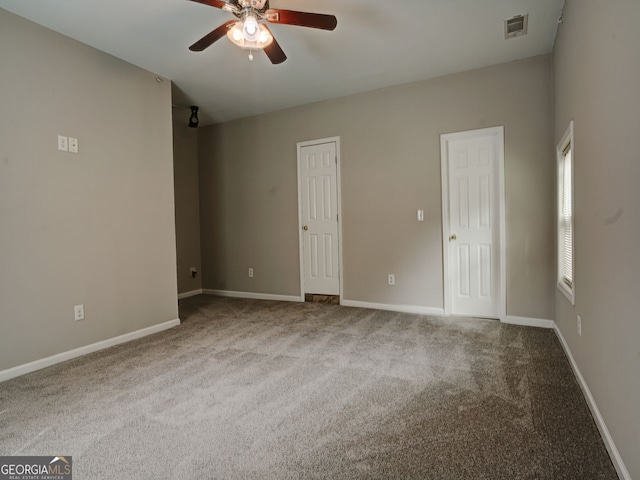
[{"x": 377, "y": 43}]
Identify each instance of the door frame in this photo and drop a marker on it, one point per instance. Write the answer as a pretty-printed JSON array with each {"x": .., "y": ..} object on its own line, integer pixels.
[
  {"x": 299, "y": 147},
  {"x": 445, "y": 138}
]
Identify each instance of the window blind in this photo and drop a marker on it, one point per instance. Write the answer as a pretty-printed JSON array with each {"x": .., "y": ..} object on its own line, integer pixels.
[{"x": 566, "y": 218}]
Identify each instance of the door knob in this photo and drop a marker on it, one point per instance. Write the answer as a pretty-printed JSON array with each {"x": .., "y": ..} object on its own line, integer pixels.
[
  {"x": 305, "y": 228},
  {"x": 453, "y": 237}
]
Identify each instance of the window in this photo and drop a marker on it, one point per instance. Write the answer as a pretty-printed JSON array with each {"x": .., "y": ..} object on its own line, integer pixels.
[{"x": 565, "y": 155}]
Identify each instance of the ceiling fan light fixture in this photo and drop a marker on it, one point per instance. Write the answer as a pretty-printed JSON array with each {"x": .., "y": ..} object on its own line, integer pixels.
[
  {"x": 251, "y": 29},
  {"x": 263, "y": 37},
  {"x": 235, "y": 34}
]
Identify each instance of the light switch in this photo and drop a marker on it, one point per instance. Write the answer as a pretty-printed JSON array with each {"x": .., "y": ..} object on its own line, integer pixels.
[
  {"x": 73, "y": 145},
  {"x": 62, "y": 143},
  {"x": 421, "y": 215}
]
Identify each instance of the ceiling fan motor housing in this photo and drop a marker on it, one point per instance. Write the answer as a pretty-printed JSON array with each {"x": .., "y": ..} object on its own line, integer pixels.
[{"x": 257, "y": 4}]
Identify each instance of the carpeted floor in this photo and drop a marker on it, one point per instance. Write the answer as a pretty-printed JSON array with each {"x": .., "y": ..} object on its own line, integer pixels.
[{"x": 248, "y": 389}]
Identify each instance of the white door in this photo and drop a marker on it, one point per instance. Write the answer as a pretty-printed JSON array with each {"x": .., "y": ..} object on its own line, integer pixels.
[
  {"x": 317, "y": 170},
  {"x": 473, "y": 162}
]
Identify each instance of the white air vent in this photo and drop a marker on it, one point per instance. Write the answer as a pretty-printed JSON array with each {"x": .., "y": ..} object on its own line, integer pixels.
[{"x": 516, "y": 26}]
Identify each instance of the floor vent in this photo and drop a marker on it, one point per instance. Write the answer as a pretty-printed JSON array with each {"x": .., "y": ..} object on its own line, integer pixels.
[{"x": 516, "y": 26}]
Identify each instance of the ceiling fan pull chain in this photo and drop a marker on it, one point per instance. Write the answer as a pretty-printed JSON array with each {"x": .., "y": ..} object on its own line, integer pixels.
[{"x": 250, "y": 55}]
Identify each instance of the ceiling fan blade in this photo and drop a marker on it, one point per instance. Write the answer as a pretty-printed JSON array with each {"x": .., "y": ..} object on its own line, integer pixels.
[
  {"x": 212, "y": 37},
  {"x": 274, "y": 51},
  {"x": 218, "y": 4},
  {"x": 302, "y": 19}
]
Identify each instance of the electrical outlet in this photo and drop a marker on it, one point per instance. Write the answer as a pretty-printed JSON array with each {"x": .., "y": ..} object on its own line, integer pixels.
[
  {"x": 193, "y": 271},
  {"x": 421, "y": 215},
  {"x": 78, "y": 312},
  {"x": 392, "y": 279},
  {"x": 73, "y": 145},
  {"x": 250, "y": 272},
  {"x": 579, "y": 320},
  {"x": 63, "y": 143}
]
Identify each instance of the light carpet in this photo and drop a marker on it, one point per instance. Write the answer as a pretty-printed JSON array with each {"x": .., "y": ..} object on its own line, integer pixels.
[{"x": 249, "y": 389}]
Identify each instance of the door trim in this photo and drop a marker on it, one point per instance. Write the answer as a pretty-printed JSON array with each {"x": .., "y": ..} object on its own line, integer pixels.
[
  {"x": 498, "y": 133},
  {"x": 299, "y": 147}
]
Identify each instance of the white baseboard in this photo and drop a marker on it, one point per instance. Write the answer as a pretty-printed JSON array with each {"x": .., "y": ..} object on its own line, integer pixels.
[
  {"x": 78, "y": 352},
  {"x": 192, "y": 293},
  {"x": 528, "y": 322},
  {"x": 254, "y": 296},
  {"x": 416, "y": 309},
  {"x": 619, "y": 465}
]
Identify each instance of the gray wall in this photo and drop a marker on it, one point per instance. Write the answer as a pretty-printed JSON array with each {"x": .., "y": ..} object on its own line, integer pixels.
[
  {"x": 390, "y": 168},
  {"x": 185, "y": 167},
  {"x": 597, "y": 84},
  {"x": 96, "y": 228}
]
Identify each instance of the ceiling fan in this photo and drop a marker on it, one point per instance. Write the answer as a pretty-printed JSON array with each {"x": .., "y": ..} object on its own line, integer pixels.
[{"x": 250, "y": 33}]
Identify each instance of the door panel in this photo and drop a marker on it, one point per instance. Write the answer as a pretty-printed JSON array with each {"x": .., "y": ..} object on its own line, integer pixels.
[
  {"x": 474, "y": 242},
  {"x": 319, "y": 202}
]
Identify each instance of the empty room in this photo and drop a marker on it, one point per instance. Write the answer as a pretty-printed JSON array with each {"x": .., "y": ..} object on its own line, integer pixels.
[{"x": 284, "y": 239}]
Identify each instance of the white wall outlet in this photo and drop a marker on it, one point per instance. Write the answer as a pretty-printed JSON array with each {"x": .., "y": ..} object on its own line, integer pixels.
[
  {"x": 63, "y": 143},
  {"x": 73, "y": 145},
  {"x": 78, "y": 312},
  {"x": 421, "y": 215},
  {"x": 392, "y": 279},
  {"x": 579, "y": 320},
  {"x": 250, "y": 272}
]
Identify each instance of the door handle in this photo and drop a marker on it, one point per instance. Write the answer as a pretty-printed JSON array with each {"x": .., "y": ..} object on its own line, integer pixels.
[
  {"x": 305, "y": 228},
  {"x": 453, "y": 237}
]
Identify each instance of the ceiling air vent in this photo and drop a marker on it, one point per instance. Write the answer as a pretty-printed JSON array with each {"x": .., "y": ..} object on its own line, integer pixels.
[{"x": 516, "y": 26}]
